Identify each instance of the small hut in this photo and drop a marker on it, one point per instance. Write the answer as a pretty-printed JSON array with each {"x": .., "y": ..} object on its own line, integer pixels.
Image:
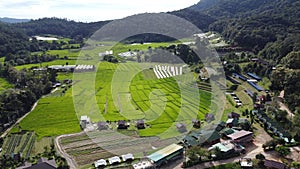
[
  {"x": 122, "y": 124},
  {"x": 140, "y": 124},
  {"x": 196, "y": 123}
]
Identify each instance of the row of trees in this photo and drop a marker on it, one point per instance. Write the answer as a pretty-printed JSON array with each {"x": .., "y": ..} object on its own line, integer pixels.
[{"x": 25, "y": 57}]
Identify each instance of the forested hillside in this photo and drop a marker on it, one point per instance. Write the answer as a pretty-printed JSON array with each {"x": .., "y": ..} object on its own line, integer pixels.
[
  {"x": 60, "y": 27},
  {"x": 11, "y": 39}
]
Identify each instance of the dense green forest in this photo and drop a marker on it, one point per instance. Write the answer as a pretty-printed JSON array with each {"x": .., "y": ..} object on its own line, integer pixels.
[{"x": 60, "y": 27}]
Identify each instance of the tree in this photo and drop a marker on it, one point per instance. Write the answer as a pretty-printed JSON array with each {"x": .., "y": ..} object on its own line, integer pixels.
[
  {"x": 270, "y": 145},
  {"x": 283, "y": 151},
  {"x": 196, "y": 153},
  {"x": 260, "y": 157},
  {"x": 192, "y": 154}
]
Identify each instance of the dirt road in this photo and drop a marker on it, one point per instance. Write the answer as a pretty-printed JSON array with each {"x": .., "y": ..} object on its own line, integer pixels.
[
  {"x": 71, "y": 162},
  {"x": 282, "y": 106}
]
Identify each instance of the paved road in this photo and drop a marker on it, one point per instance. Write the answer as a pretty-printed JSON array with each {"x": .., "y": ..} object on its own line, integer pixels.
[{"x": 71, "y": 162}]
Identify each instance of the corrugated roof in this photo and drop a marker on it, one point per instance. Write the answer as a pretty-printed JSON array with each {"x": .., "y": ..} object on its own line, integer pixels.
[
  {"x": 239, "y": 134},
  {"x": 164, "y": 152},
  {"x": 224, "y": 146},
  {"x": 274, "y": 164}
]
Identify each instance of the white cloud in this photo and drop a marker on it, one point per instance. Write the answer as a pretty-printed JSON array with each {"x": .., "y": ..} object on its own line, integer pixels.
[{"x": 88, "y": 10}]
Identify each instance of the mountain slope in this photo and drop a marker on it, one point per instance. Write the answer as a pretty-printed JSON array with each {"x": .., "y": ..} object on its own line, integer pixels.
[
  {"x": 13, "y": 20},
  {"x": 11, "y": 39},
  {"x": 60, "y": 27}
]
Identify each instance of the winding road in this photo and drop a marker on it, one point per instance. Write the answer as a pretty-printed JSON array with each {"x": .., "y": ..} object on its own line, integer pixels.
[{"x": 71, "y": 162}]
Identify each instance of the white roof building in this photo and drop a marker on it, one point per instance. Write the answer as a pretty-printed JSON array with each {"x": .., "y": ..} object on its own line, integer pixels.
[
  {"x": 101, "y": 162},
  {"x": 114, "y": 159},
  {"x": 128, "y": 156}
]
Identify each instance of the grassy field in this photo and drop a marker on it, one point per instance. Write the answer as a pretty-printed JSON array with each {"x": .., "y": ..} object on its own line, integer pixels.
[
  {"x": 53, "y": 116},
  {"x": 4, "y": 84},
  {"x": 70, "y": 53},
  {"x": 130, "y": 91}
]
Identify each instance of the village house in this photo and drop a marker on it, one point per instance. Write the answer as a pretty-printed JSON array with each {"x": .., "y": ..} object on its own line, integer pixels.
[
  {"x": 122, "y": 124},
  {"x": 196, "y": 123},
  {"x": 241, "y": 136},
  {"x": 102, "y": 125},
  {"x": 181, "y": 127},
  {"x": 140, "y": 124}
]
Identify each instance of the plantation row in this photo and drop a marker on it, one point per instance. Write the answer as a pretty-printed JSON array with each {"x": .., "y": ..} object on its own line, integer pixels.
[{"x": 19, "y": 143}]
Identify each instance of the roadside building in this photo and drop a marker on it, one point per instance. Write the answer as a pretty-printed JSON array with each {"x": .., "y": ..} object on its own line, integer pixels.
[
  {"x": 166, "y": 154},
  {"x": 241, "y": 136},
  {"x": 227, "y": 148},
  {"x": 270, "y": 164},
  {"x": 114, "y": 160},
  {"x": 100, "y": 163},
  {"x": 127, "y": 157},
  {"x": 246, "y": 163},
  {"x": 42, "y": 163}
]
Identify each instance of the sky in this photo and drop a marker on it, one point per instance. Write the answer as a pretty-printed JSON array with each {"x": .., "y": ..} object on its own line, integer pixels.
[{"x": 87, "y": 10}]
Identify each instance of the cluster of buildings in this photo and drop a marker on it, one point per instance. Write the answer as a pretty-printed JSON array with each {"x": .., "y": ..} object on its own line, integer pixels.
[
  {"x": 85, "y": 123},
  {"x": 252, "y": 80},
  {"x": 114, "y": 160},
  {"x": 228, "y": 136},
  {"x": 236, "y": 99},
  {"x": 167, "y": 71},
  {"x": 72, "y": 68}
]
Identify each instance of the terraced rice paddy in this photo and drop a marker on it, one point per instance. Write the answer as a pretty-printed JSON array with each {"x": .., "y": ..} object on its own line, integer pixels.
[{"x": 130, "y": 91}]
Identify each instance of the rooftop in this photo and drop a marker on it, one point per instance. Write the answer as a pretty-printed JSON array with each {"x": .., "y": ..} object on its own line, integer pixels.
[
  {"x": 274, "y": 164},
  {"x": 164, "y": 152},
  {"x": 224, "y": 146},
  {"x": 114, "y": 159},
  {"x": 246, "y": 162},
  {"x": 101, "y": 162},
  {"x": 239, "y": 134},
  {"x": 128, "y": 156}
]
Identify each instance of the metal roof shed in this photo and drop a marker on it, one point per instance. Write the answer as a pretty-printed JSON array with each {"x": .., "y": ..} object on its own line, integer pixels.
[{"x": 165, "y": 153}]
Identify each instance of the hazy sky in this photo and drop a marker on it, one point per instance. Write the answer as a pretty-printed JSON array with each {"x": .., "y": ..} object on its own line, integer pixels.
[{"x": 87, "y": 10}]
